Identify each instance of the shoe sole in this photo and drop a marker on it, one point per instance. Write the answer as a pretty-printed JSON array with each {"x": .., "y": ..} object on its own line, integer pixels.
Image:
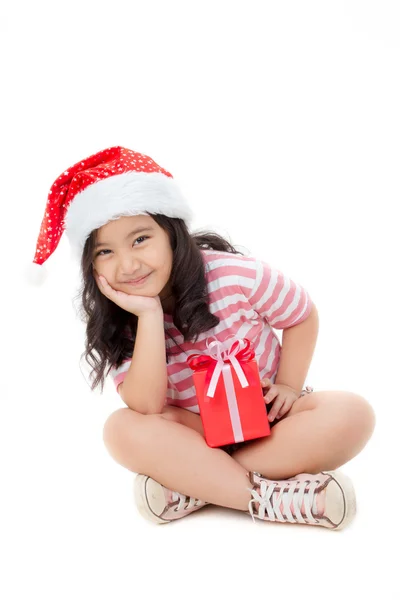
[
  {"x": 349, "y": 497},
  {"x": 141, "y": 500}
]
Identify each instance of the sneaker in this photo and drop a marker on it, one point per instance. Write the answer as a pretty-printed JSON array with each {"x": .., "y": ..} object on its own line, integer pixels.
[
  {"x": 160, "y": 504},
  {"x": 327, "y": 499}
]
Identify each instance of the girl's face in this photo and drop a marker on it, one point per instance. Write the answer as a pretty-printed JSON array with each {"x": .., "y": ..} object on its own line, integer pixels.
[{"x": 123, "y": 253}]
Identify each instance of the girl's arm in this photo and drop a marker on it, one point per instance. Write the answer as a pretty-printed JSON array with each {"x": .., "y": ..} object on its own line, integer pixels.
[
  {"x": 144, "y": 388},
  {"x": 298, "y": 345}
]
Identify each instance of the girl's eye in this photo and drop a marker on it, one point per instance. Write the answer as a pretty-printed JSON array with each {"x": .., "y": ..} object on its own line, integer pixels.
[{"x": 142, "y": 237}]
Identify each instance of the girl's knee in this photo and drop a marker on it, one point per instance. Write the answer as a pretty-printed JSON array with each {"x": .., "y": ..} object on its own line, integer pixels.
[
  {"x": 363, "y": 415},
  {"x": 357, "y": 420},
  {"x": 126, "y": 427},
  {"x": 118, "y": 424}
]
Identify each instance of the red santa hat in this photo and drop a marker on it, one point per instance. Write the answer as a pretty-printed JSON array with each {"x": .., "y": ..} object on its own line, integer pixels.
[{"x": 112, "y": 183}]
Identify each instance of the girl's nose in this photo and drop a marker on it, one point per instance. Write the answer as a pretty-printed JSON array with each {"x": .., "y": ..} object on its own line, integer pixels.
[{"x": 129, "y": 265}]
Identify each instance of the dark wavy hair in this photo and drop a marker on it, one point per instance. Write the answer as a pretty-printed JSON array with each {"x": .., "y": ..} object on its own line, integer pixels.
[{"x": 111, "y": 331}]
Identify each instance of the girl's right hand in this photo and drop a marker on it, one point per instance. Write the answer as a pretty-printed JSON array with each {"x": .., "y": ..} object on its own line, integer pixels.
[{"x": 137, "y": 305}]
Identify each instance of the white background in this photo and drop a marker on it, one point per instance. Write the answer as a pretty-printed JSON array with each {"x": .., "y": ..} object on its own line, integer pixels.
[{"x": 280, "y": 121}]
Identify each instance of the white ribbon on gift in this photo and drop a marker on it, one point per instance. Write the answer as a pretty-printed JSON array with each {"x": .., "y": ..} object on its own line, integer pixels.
[{"x": 221, "y": 351}]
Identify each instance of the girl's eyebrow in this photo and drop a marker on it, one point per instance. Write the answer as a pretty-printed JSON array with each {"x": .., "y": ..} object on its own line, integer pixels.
[{"x": 134, "y": 232}]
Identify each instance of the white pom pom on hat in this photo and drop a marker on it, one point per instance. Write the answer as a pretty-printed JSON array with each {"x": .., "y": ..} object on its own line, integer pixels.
[
  {"x": 35, "y": 274},
  {"x": 111, "y": 183}
]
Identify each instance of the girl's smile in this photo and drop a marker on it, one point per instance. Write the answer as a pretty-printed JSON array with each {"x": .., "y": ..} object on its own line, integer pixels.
[{"x": 138, "y": 281}]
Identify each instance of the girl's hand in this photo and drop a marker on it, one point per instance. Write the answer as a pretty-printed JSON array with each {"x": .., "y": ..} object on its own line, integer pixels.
[
  {"x": 284, "y": 397},
  {"x": 137, "y": 305}
]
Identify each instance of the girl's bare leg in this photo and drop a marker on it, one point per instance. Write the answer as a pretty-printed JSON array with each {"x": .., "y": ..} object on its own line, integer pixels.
[
  {"x": 177, "y": 456},
  {"x": 321, "y": 432}
]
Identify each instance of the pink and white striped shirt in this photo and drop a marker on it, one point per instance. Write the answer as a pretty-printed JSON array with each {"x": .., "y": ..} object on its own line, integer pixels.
[{"x": 250, "y": 298}]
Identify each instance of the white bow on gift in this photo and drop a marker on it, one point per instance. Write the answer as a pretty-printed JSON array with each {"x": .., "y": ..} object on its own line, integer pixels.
[{"x": 222, "y": 351}]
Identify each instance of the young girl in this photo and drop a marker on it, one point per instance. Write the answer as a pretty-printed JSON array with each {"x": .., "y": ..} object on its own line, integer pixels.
[{"x": 152, "y": 294}]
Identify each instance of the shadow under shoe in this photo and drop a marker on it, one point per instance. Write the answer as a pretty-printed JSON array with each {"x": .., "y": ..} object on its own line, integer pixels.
[
  {"x": 159, "y": 504},
  {"x": 326, "y": 499}
]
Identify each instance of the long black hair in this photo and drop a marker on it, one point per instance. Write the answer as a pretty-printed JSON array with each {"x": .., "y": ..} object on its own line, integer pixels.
[{"x": 111, "y": 331}]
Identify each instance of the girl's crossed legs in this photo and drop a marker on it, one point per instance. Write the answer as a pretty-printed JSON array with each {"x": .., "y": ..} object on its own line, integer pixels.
[{"x": 322, "y": 431}]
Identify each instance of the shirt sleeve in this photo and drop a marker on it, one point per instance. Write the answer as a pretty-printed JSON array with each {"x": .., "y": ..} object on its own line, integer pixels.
[
  {"x": 118, "y": 374},
  {"x": 278, "y": 299}
]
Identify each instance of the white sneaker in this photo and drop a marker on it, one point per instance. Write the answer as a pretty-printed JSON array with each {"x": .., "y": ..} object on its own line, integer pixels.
[
  {"x": 327, "y": 499},
  {"x": 159, "y": 504}
]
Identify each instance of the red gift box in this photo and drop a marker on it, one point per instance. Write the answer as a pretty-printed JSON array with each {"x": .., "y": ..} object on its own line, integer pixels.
[{"x": 229, "y": 392}]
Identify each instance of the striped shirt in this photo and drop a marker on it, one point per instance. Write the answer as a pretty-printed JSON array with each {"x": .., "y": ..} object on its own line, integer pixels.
[{"x": 250, "y": 297}]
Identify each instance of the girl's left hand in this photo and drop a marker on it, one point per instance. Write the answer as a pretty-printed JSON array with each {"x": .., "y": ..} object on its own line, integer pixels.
[{"x": 284, "y": 397}]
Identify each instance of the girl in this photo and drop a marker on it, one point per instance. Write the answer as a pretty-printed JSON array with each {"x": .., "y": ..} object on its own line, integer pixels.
[{"x": 152, "y": 294}]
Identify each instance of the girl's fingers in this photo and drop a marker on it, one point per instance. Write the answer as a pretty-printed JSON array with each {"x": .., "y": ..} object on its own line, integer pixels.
[
  {"x": 283, "y": 410},
  {"x": 265, "y": 385},
  {"x": 273, "y": 392},
  {"x": 275, "y": 409},
  {"x": 105, "y": 288},
  {"x": 100, "y": 281},
  {"x": 114, "y": 295},
  {"x": 104, "y": 284}
]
